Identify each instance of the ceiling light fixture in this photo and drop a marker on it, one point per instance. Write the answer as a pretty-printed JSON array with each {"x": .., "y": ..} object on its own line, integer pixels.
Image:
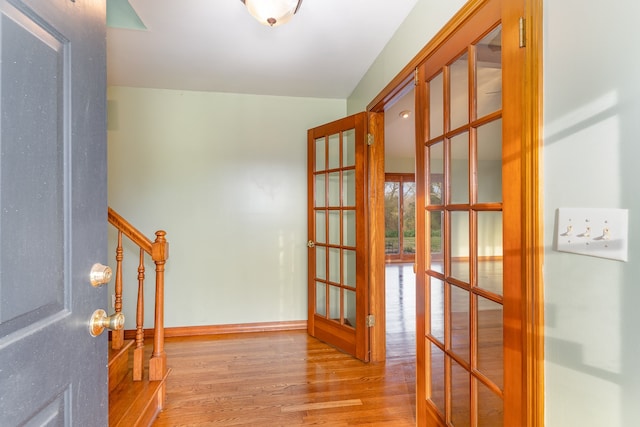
[
  {"x": 405, "y": 114},
  {"x": 272, "y": 12}
]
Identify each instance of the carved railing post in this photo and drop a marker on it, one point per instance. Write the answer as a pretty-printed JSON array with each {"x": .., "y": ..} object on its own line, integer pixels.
[
  {"x": 138, "y": 352},
  {"x": 117, "y": 337},
  {"x": 158, "y": 362}
]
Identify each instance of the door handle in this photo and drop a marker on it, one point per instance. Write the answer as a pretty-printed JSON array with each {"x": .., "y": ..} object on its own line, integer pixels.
[
  {"x": 99, "y": 275},
  {"x": 311, "y": 244},
  {"x": 99, "y": 321}
]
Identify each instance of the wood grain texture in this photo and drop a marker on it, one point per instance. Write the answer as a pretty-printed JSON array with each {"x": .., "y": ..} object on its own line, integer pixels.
[
  {"x": 260, "y": 378},
  {"x": 287, "y": 378},
  {"x": 375, "y": 214},
  {"x": 532, "y": 199}
]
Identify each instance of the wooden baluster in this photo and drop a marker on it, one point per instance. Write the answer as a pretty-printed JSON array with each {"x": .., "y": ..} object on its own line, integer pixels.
[
  {"x": 117, "y": 337},
  {"x": 158, "y": 362},
  {"x": 138, "y": 352}
]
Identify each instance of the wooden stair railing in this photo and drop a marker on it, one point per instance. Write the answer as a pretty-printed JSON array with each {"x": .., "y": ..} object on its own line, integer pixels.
[{"x": 159, "y": 252}]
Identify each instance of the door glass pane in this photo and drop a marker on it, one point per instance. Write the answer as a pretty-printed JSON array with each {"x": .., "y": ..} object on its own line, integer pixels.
[
  {"x": 349, "y": 188},
  {"x": 334, "y": 265},
  {"x": 437, "y": 376},
  {"x": 320, "y": 154},
  {"x": 409, "y": 217},
  {"x": 349, "y": 227},
  {"x": 435, "y": 155},
  {"x": 321, "y": 227},
  {"x": 334, "y": 189},
  {"x": 437, "y": 309},
  {"x": 460, "y": 245},
  {"x": 349, "y": 148},
  {"x": 334, "y": 303},
  {"x": 334, "y": 151},
  {"x": 391, "y": 217},
  {"x": 321, "y": 299},
  {"x": 320, "y": 191},
  {"x": 334, "y": 227},
  {"x": 321, "y": 262},
  {"x": 350, "y": 308},
  {"x": 459, "y": 77},
  {"x": 349, "y": 268},
  {"x": 461, "y": 390},
  {"x": 459, "y": 315},
  {"x": 460, "y": 168},
  {"x": 490, "y": 407},
  {"x": 490, "y": 162},
  {"x": 489, "y": 330},
  {"x": 435, "y": 240},
  {"x": 436, "y": 101},
  {"x": 489, "y": 73},
  {"x": 490, "y": 251}
]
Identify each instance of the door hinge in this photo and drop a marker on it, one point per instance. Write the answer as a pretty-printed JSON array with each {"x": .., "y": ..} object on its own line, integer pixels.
[
  {"x": 369, "y": 139},
  {"x": 415, "y": 77},
  {"x": 371, "y": 320},
  {"x": 523, "y": 32}
]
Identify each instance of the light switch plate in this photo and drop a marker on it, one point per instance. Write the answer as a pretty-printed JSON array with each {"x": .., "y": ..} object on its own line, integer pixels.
[{"x": 602, "y": 233}]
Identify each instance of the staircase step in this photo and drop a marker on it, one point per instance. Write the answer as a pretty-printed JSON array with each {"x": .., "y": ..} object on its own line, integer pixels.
[
  {"x": 136, "y": 403},
  {"x": 118, "y": 364}
]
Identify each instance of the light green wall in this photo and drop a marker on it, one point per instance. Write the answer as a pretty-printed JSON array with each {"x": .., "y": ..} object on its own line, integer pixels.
[
  {"x": 225, "y": 176},
  {"x": 424, "y": 21},
  {"x": 591, "y": 152}
]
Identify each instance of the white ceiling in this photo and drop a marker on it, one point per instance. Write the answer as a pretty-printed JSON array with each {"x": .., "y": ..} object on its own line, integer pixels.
[{"x": 215, "y": 45}]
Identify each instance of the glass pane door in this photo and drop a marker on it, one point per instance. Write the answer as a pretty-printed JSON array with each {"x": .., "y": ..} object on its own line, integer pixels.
[
  {"x": 337, "y": 276},
  {"x": 462, "y": 171}
]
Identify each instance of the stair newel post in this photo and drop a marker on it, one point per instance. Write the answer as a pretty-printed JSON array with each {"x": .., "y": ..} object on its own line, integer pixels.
[
  {"x": 138, "y": 352},
  {"x": 117, "y": 337},
  {"x": 159, "y": 253}
]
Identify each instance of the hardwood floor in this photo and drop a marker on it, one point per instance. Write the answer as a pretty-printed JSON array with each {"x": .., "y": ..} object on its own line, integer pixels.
[{"x": 290, "y": 379}]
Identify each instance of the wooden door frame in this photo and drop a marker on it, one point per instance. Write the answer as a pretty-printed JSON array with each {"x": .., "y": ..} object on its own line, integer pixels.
[{"x": 531, "y": 307}]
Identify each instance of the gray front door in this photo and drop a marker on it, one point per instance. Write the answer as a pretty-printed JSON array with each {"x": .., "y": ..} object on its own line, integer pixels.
[{"x": 53, "y": 207}]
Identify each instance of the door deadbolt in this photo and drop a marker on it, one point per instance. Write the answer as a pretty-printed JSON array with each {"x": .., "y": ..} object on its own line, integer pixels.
[
  {"x": 99, "y": 275},
  {"x": 99, "y": 321}
]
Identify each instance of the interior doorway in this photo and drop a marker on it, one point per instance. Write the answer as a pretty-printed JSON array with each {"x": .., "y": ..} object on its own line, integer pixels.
[{"x": 400, "y": 202}]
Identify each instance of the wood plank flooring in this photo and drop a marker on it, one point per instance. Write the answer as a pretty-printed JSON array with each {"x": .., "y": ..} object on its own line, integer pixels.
[{"x": 290, "y": 379}]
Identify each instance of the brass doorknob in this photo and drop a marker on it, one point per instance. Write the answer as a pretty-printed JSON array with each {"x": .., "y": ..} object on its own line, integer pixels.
[
  {"x": 311, "y": 244},
  {"x": 99, "y": 275},
  {"x": 99, "y": 321}
]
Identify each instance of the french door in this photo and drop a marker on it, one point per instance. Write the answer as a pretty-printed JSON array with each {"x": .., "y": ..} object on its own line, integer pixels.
[
  {"x": 468, "y": 222},
  {"x": 337, "y": 275}
]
